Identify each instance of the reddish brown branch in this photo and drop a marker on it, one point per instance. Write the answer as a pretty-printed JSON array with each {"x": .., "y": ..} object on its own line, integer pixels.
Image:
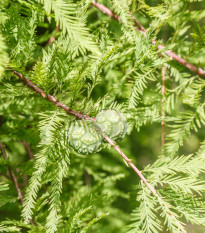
[
  {"x": 140, "y": 27},
  {"x": 117, "y": 148},
  {"x": 52, "y": 38},
  {"x": 50, "y": 97},
  {"x": 170, "y": 53},
  {"x": 181, "y": 61},
  {"x": 163, "y": 111},
  {"x": 106, "y": 10},
  {"x": 6, "y": 176},
  {"x": 87, "y": 178},
  {"x": 154, "y": 192},
  {"x": 14, "y": 179},
  {"x": 28, "y": 149}
]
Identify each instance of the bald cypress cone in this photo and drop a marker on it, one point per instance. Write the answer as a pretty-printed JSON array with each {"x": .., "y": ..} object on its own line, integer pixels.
[
  {"x": 112, "y": 123},
  {"x": 84, "y": 138}
]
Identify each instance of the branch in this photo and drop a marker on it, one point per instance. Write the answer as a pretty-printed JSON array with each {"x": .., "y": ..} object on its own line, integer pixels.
[
  {"x": 14, "y": 179},
  {"x": 52, "y": 38},
  {"x": 106, "y": 10},
  {"x": 50, "y": 97},
  {"x": 28, "y": 149},
  {"x": 6, "y": 176},
  {"x": 87, "y": 178},
  {"x": 116, "y": 147},
  {"x": 170, "y": 53},
  {"x": 163, "y": 112},
  {"x": 181, "y": 61},
  {"x": 154, "y": 192}
]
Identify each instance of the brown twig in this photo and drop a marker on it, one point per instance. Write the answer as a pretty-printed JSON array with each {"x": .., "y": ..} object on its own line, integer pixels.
[
  {"x": 163, "y": 111},
  {"x": 52, "y": 38},
  {"x": 140, "y": 27},
  {"x": 117, "y": 148},
  {"x": 31, "y": 157},
  {"x": 106, "y": 10},
  {"x": 87, "y": 178},
  {"x": 170, "y": 53},
  {"x": 50, "y": 97},
  {"x": 28, "y": 149},
  {"x": 154, "y": 192},
  {"x": 181, "y": 61},
  {"x": 14, "y": 179},
  {"x": 6, "y": 176}
]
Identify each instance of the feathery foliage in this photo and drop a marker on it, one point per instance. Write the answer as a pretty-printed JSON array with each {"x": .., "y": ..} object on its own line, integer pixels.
[
  {"x": 3, "y": 55},
  {"x": 91, "y": 62},
  {"x": 66, "y": 15}
]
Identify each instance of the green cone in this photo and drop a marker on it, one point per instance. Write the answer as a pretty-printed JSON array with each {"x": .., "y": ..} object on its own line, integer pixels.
[
  {"x": 84, "y": 138},
  {"x": 112, "y": 123}
]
